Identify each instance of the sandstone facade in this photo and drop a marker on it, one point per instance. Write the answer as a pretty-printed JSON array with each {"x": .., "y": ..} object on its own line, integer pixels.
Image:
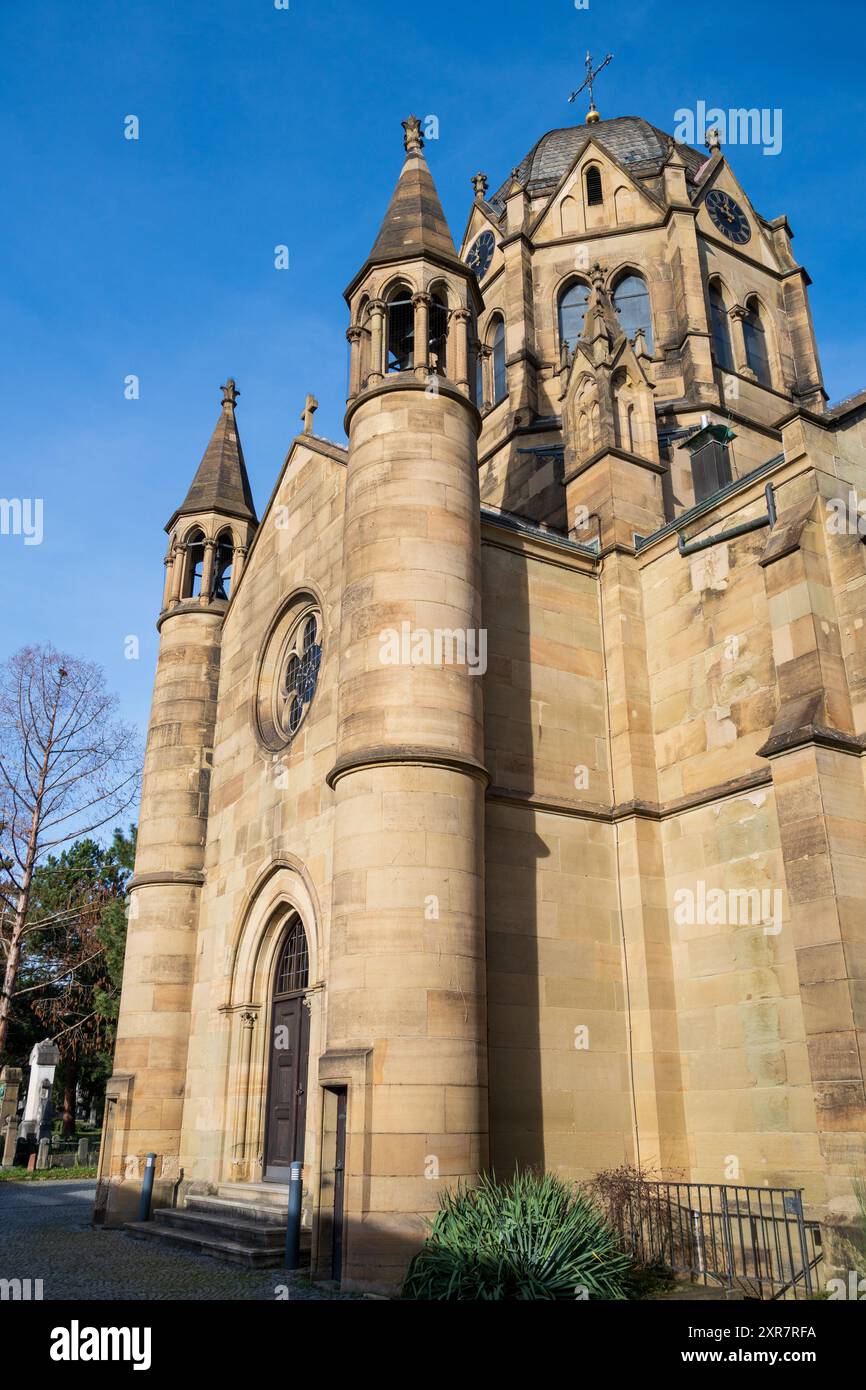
[{"x": 585, "y": 892}]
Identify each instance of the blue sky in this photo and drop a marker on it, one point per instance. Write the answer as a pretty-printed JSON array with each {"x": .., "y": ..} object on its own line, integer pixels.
[{"x": 261, "y": 126}]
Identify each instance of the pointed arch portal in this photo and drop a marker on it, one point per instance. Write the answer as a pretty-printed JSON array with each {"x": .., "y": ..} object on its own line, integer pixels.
[{"x": 289, "y": 1055}]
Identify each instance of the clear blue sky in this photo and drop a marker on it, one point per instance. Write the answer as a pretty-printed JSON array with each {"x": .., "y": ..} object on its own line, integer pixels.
[{"x": 262, "y": 126}]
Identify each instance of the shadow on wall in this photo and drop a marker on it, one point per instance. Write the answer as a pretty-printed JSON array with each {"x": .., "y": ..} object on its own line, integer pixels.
[{"x": 513, "y": 853}]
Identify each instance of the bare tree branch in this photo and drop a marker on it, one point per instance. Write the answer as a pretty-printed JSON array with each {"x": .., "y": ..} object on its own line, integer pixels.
[{"x": 68, "y": 767}]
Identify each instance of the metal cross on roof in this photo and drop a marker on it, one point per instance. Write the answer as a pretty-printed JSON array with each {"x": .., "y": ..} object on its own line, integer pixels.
[{"x": 592, "y": 114}]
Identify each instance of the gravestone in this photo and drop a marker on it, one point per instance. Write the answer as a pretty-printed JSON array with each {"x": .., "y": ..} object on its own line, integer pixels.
[
  {"x": 10, "y": 1085},
  {"x": 8, "y": 1142},
  {"x": 37, "y": 1109}
]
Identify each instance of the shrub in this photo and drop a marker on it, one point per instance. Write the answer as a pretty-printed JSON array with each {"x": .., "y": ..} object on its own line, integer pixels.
[{"x": 534, "y": 1237}]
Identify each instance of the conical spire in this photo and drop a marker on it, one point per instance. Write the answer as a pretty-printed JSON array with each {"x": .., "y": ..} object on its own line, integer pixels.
[
  {"x": 221, "y": 483},
  {"x": 414, "y": 224}
]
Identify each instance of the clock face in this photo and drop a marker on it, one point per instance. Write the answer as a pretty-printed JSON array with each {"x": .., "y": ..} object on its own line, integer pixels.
[
  {"x": 728, "y": 216},
  {"x": 481, "y": 254}
]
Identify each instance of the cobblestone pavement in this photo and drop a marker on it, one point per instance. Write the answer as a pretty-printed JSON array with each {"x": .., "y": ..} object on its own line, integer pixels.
[{"x": 45, "y": 1233}]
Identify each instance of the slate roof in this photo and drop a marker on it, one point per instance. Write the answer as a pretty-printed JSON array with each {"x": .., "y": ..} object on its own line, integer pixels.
[
  {"x": 633, "y": 142},
  {"x": 221, "y": 483},
  {"x": 414, "y": 224}
]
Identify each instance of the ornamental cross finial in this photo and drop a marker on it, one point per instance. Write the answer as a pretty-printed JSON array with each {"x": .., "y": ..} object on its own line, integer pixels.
[
  {"x": 311, "y": 405},
  {"x": 480, "y": 184},
  {"x": 230, "y": 393},
  {"x": 592, "y": 115},
  {"x": 413, "y": 140}
]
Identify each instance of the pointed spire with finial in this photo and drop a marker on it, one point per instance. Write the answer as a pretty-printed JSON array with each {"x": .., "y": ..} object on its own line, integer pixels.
[
  {"x": 221, "y": 483},
  {"x": 414, "y": 224}
]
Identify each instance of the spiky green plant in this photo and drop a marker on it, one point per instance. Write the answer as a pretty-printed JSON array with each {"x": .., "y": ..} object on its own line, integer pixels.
[{"x": 534, "y": 1237}]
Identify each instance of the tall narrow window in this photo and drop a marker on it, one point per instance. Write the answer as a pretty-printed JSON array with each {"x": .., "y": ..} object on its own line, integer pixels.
[
  {"x": 721, "y": 332},
  {"x": 438, "y": 333},
  {"x": 755, "y": 335},
  {"x": 572, "y": 311},
  {"x": 594, "y": 195},
  {"x": 479, "y": 380},
  {"x": 632, "y": 303},
  {"x": 194, "y": 564},
  {"x": 500, "y": 383},
  {"x": 401, "y": 330},
  {"x": 223, "y": 562}
]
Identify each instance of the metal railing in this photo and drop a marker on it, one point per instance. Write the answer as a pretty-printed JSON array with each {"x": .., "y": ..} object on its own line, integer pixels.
[{"x": 752, "y": 1239}]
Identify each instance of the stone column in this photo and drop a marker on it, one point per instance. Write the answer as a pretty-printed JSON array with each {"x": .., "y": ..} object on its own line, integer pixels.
[
  {"x": 354, "y": 336},
  {"x": 485, "y": 353},
  {"x": 460, "y": 320},
  {"x": 166, "y": 588},
  {"x": 207, "y": 570},
  {"x": 177, "y": 573},
  {"x": 239, "y": 1154},
  {"x": 238, "y": 563},
  {"x": 421, "y": 303},
  {"x": 377, "y": 343},
  {"x": 738, "y": 341}
]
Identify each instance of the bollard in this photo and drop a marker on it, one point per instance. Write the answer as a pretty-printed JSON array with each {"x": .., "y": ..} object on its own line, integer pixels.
[
  {"x": 293, "y": 1227},
  {"x": 43, "y": 1154},
  {"x": 147, "y": 1187}
]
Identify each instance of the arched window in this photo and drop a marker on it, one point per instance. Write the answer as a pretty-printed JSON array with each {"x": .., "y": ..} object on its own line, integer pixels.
[
  {"x": 572, "y": 311},
  {"x": 401, "y": 330},
  {"x": 632, "y": 303},
  {"x": 719, "y": 323},
  {"x": 438, "y": 333},
  {"x": 594, "y": 194},
  {"x": 293, "y": 968},
  {"x": 194, "y": 564},
  {"x": 223, "y": 562},
  {"x": 757, "y": 351},
  {"x": 497, "y": 343}
]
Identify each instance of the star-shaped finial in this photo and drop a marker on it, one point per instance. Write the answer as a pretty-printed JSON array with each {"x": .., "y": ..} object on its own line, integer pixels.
[{"x": 480, "y": 184}]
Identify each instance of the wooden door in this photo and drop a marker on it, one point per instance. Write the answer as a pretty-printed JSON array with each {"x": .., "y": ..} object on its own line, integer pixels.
[{"x": 287, "y": 1087}]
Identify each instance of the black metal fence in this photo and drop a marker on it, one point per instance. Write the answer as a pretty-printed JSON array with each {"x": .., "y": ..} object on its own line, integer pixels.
[{"x": 752, "y": 1239}]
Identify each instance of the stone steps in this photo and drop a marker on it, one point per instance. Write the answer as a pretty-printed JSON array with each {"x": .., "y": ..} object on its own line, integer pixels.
[{"x": 246, "y": 1226}]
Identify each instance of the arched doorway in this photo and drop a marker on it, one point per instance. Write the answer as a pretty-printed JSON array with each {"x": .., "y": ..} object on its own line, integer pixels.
[{"x": 289, "y": 1056}]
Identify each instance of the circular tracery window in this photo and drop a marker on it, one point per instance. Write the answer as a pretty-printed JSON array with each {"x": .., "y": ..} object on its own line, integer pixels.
[
  {"x": 302, "y": 657},
  {"x": 289, "y": 672}
]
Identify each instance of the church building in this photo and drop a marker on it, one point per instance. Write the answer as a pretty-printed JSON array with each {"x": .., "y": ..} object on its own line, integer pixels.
[{"x": 504, "y": 795}]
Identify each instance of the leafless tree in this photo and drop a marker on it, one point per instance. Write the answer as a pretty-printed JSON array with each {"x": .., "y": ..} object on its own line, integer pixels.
[{"x": 68, "y": 766}]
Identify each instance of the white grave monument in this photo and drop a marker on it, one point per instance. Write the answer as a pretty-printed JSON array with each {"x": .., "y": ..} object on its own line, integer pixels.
[{"x": 43, "y": 1062}]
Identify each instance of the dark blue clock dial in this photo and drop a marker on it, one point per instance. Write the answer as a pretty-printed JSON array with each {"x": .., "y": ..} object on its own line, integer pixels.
[
  {"x": 481, "y": 254},
  {"x": 728, "y": 216}
]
